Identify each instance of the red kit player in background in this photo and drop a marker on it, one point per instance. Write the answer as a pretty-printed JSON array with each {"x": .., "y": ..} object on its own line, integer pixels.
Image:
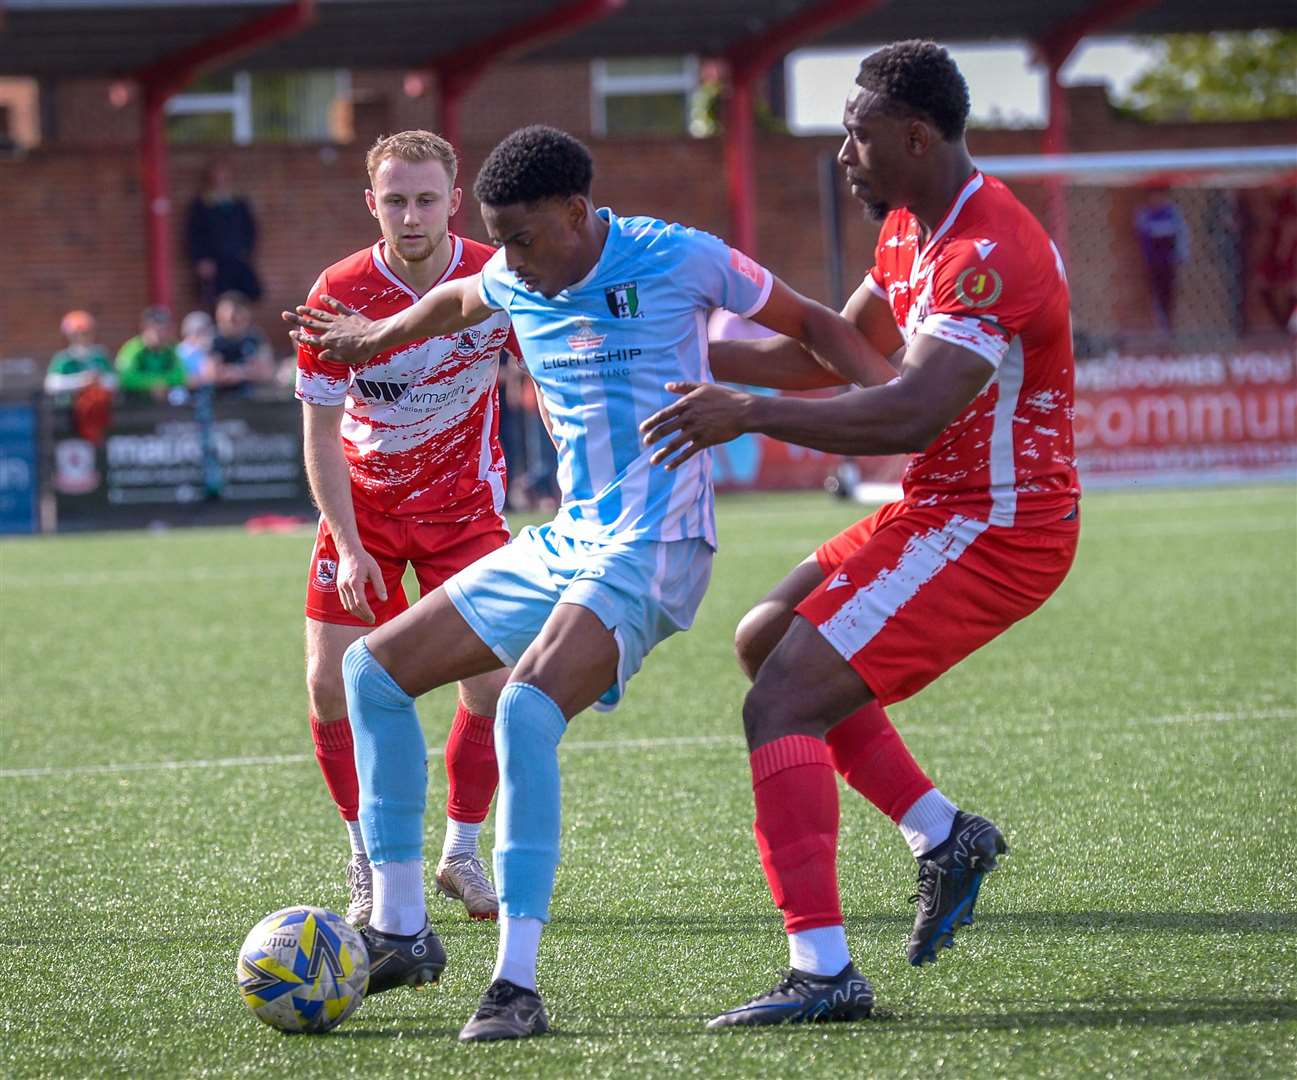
[
  {"x": 405, "y": 465},
  {"x": 969, "y": 295}
]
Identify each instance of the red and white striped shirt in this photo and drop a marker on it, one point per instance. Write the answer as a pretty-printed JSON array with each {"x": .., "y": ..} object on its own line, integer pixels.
[
  {"x": 990, "y": 280},
  {"x": 421, "y": 425}
]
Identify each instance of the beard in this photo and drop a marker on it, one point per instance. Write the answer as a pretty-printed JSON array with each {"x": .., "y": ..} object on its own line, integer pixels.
[
  {"x": 414, "y": 252},
  {"x": 877, "y": 209}
]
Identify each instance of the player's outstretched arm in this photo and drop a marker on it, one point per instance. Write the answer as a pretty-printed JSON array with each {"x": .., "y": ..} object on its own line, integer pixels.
[
  {"x": 342, "y": 334},
  {"x": 784, "y": 363},
  {"x": 938, "y": 381}
]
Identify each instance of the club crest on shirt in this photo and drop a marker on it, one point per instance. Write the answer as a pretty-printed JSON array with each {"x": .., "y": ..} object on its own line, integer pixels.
[
  {"x": 326, "y": 574},
  {"x": 978, "y": 286},
  {"x": 623, "y": 300},
  {"x": 585, "y": 337},
  {"x": 466, "y": 343}
]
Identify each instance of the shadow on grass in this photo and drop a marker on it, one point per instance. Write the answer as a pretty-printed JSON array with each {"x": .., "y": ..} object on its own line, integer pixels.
[
  {"x": 1133, "y": 1012},
  {"x": 1120, "y": 922},
  {"x": 642, "y": 925}
]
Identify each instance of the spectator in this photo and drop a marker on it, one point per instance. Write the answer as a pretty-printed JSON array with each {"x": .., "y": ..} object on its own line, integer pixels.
[
  {"x": 222, "y": 234},
  {"x": 1164, "y": 241},
  {"x": 82, "y": 363},
  {"x": 241, "y": 356},
  {"x": 1277, "y": 268},
  {"x": 195, "y": 348},
  {"x": 149, "y": 363}
]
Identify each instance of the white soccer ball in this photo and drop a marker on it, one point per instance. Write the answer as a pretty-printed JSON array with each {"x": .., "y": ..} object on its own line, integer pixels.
[{"x": 303, "y": 969}]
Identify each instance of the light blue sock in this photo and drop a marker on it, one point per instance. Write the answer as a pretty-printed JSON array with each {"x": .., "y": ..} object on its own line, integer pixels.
[
  {"x": 391, "y": 758},
  {"x": 528, "y": 727}
]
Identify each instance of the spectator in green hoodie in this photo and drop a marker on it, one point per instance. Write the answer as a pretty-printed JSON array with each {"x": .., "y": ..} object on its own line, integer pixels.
[{"x": 149, "y": 363}]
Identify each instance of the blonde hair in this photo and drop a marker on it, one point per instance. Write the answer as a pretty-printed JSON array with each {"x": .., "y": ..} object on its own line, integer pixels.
[{"x": 414, "y": 146}]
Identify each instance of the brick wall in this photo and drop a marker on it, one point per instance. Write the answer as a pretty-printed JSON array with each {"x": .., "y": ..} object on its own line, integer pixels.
[{"x": 72, "y": 224}]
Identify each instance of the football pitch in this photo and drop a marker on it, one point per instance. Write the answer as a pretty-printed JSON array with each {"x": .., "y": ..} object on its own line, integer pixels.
[{"x": 1135, "y": 740}]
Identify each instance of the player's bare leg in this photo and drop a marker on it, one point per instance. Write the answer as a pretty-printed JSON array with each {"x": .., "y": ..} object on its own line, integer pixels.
[
  {"x": 331, "y": 734},
  {"x": 867, "y": 750},
  {"x": 426, "y": 646},
  {"x": 472, "y": 776},
  {"x": 569, "y": 665}
]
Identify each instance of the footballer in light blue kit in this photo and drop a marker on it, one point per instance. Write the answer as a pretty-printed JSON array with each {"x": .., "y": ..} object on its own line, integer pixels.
[{"x": 611, "y": 313}]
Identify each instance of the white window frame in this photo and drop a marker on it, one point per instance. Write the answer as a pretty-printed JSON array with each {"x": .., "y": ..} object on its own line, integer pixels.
[
  {"x": 238, "y": 103},
  {"x": 604, "y": 83}
]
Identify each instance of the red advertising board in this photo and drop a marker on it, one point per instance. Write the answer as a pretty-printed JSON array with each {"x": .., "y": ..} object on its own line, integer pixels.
[
  {"x": 1208, "y": 416},
  {"x": 1191, "y": 416}
]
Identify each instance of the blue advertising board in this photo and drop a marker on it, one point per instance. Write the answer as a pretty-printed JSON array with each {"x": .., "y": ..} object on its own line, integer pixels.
[{"x": 19, "y": 483}]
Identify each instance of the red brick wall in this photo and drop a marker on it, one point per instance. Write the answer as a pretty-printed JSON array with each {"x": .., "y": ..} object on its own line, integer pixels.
[{"x": 72, "y": 224}]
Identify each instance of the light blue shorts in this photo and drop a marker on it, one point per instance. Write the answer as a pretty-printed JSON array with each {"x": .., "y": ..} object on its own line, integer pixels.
[{"x": 643, "y": 591}]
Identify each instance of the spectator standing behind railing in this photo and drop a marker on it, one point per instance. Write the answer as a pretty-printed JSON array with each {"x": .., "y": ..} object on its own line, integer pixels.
[
  {"x": 195, "y": 346},
  {"x": 149, "y": 363},
  {"x": 81, "y": 378},
  {"x": 222, "y": 233},
  {"x": 82, "y": 363},
  {"x": 241, "y": 357},
  {"x": 1164, "y": 241}
]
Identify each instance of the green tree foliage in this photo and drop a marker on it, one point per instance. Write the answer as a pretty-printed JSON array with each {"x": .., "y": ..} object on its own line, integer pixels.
[{"x": 1237, "y": 76}]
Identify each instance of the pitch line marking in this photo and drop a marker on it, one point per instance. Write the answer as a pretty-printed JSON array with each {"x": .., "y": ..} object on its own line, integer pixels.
[{"x": 603, "y": 745}]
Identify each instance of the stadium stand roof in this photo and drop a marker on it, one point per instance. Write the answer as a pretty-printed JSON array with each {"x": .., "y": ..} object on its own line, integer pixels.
[
  {"x": 161, "y": 45},
  {"x": 118, "y": 37}
]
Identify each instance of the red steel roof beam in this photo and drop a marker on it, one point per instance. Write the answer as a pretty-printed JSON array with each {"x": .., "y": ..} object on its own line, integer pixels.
[
  {"x": 748, "y": 61},
  {"x": 456, "y": 72},
  {"x": 170, "y": 75}
]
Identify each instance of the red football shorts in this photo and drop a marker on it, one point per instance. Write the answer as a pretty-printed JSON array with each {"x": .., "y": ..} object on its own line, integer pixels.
[
  {"x": 436, "y": 551},
  {"x": 910, "y": 591}
]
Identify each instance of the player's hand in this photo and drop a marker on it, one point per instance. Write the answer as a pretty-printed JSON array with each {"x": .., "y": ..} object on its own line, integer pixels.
[
  {"x": 357, "y": 569},
  {"x": 705, "y": 415},
  {"x": 338, "y": 333}
]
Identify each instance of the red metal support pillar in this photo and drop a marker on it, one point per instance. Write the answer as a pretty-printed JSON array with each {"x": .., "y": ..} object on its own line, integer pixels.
[
  {"x": 740, "y": 162},
  {"x": 748, "y": 61},
  {"x": 457, "y": 72},
  {"x": 157, "y": 198},
  {"x": 1053, "y": 49},
  {"x": 1055, "y": 142},
  {"x": 160, "y": 81}
]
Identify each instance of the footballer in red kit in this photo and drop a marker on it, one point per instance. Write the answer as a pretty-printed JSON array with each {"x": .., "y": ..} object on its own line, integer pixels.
[
  {"x": 405, "y": 464},
  {"x": 968, "y": 303}
]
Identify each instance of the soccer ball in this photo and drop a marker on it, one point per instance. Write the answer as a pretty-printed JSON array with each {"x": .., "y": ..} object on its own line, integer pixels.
[{"x": 303, "y": 969}]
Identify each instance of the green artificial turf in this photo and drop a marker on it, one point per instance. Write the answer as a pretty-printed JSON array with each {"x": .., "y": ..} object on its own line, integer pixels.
[{"x": 1134, "y": 739}]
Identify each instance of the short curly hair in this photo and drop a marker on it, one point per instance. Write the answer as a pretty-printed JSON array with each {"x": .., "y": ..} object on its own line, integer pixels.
[
  {"x": 534, "y": 163},
  {"x": 918, "y": 77}
]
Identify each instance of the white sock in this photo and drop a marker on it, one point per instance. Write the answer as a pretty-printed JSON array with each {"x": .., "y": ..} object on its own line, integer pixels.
[
  {"x": 461, "y": 838},
  {"x": 822, "y": 951},
  {"x": 398, "y": 897},
  {"x": 355, "y": 836},
  {"x": 928, "y": 822},
  {"x": 515, "y": 959}
]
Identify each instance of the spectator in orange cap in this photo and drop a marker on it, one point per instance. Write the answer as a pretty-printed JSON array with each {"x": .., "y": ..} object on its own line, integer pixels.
[{"x": 82, "y": 363}]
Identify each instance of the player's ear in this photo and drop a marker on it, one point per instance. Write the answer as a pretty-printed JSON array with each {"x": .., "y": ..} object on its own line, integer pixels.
[
  {"x": 578, "y": 209},
  {"x": 456, "y": 197},
  {"x": 371, "y": 202},
  {"x": 918, "y": 137}
]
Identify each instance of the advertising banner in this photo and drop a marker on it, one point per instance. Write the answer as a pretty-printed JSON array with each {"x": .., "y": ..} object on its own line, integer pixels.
[
  {"x": 19, "y": 459},
  {"x": 1203, "y": 417},
  {"x": 208, "y": 460}
]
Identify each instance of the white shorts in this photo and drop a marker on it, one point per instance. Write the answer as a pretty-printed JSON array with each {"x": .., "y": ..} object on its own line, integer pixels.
[{"x": 642, "y": 591}]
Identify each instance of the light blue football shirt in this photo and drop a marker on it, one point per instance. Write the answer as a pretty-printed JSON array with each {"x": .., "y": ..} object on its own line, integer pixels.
[{"x": 602, "y": 351}]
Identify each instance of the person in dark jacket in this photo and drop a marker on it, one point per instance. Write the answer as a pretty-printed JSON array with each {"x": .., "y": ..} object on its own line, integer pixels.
[{"x": 222, "y": 234}]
